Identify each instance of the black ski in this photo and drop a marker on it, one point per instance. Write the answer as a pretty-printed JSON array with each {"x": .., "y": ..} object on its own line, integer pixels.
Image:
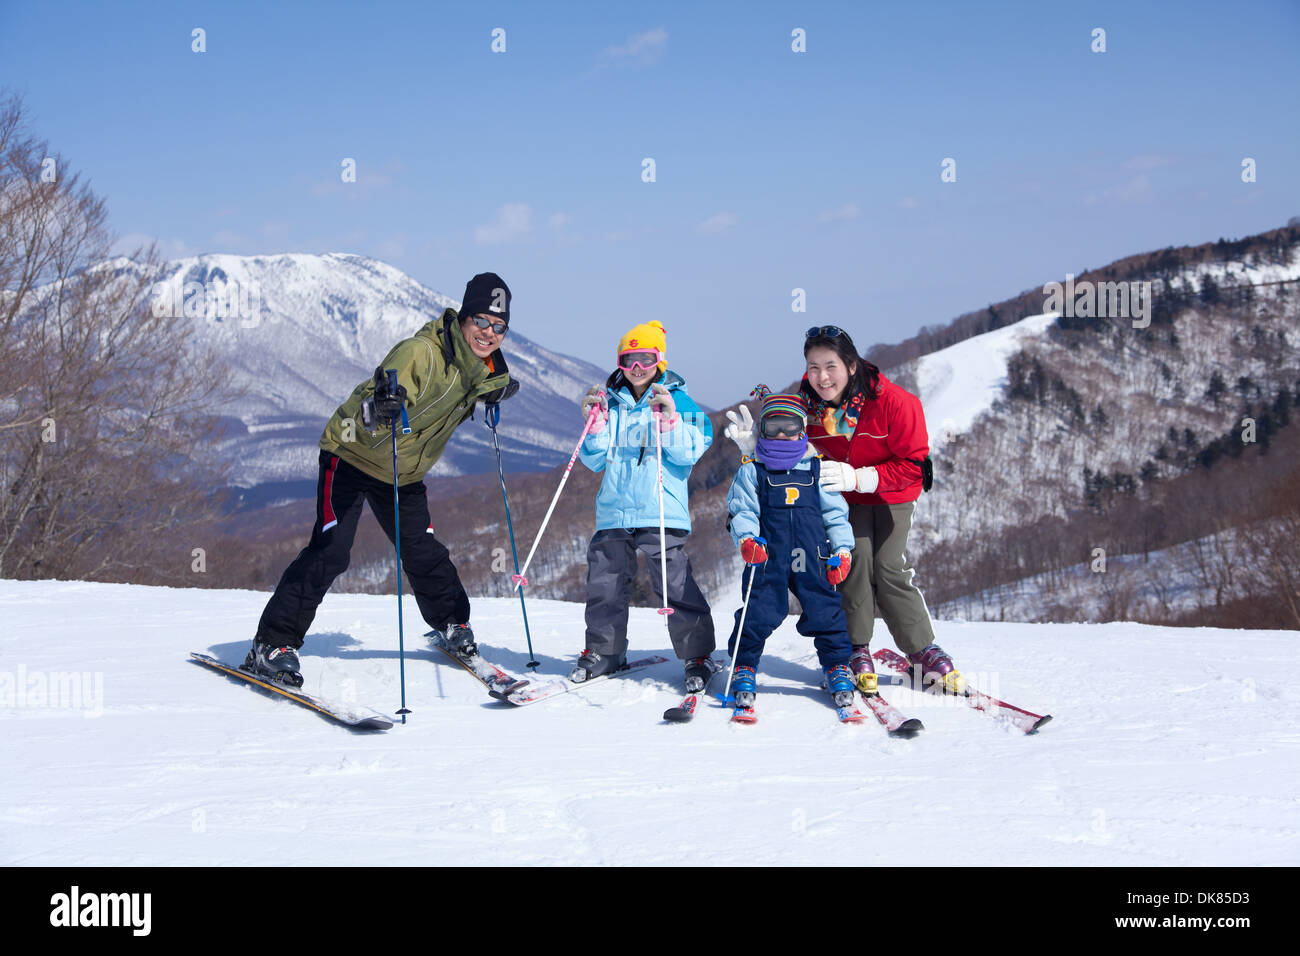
[
  {"x": 325, "y": 708},
  {"x": 686, "y": 709},
  {"x": 497, "y": 681}
]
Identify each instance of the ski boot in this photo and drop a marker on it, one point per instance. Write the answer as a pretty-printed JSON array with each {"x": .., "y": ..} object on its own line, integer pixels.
[
  {"x": 460, "y": 641},
  {"x": 864, "y": 671},
  {"x": 279, "y": 665},
  {"x": 743, "y": 687},
  {"x": 931, "y": 665},
  {"x": 839, "y": 681},
  {"x": 590, "y": 664},
  {"x": 698, "y": 673}
]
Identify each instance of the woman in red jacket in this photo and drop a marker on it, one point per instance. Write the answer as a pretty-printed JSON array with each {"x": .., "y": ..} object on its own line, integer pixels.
[{"x": 871, "y": 434}]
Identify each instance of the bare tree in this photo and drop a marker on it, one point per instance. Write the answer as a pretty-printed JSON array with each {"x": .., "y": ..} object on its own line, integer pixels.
[{"x": 105, "y": 407}]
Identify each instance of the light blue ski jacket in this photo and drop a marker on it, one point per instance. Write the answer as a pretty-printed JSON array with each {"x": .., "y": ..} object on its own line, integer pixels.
[{"x": 625, "y": 452}]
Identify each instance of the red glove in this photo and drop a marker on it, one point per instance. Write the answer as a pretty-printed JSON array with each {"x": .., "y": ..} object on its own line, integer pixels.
[
  {"x": 837, "y": 568},
  {"x": 752, "y": 550}
]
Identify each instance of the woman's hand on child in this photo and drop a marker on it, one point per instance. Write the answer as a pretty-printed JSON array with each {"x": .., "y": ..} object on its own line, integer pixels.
[
  {"x": 741, "y": 430},
  {"x": 752, "y": 551},
  {"x": 837, "y": 569},
  {"x": 841, "y": 476}
]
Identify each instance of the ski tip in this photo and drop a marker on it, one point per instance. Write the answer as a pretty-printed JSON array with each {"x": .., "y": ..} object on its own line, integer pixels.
[
  {"x": 908, "y": 729},
  {"x": 1038, "y": 723}
]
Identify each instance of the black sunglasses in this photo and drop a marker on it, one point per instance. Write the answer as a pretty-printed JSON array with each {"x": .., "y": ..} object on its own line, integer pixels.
[
  {"x": 500, "y": 328},
  {"x": 829, "y": 331}
]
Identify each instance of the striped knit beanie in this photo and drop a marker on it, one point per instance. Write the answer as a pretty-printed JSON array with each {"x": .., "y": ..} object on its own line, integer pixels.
[{"x": 779, "y": 404}]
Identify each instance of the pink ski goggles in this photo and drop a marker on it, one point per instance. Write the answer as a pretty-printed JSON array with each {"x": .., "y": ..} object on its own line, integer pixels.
[{"x": 639, "y": 359}]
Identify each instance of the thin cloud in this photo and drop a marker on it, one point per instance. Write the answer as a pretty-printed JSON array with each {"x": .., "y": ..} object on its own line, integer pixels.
[
  {"x": 719, "y": 223},
  {"x": 1136, "y": 190},
  {"x": 843, "y": 214},
  {"x": 1149, "y": 161},
  {"x": 514, "y": 221},
  {"x": 640, "y": 51}
]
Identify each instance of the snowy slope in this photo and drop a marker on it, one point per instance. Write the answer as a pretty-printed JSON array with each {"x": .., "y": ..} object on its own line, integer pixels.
[
  {"x": 1180, "y": 749},
  {"x": 957, "y": 384}
]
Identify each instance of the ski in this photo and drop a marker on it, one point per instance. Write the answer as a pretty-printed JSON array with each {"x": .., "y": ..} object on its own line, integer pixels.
[
  {"x": 744, "y": 715},
  {"x": 535, "y": 693},
  {"x": 1023, "y": 720},
  {"x": 686, "y": 709},
  {"x": 891, "y": 718},
  {"x": 497, "y": 681},
  {"x": 850, "y": 714},
  {"x": 323, "y": 707}
]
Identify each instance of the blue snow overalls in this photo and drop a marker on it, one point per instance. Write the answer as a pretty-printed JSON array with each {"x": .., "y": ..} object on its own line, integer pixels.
[{"x": 790, "y": 518}]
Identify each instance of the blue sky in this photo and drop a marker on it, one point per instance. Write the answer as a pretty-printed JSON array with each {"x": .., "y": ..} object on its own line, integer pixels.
[{"x": 775, "y": 170}]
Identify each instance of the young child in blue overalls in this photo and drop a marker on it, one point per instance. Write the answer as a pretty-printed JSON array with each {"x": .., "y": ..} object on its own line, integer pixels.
[{"x": 797, "y": 537}]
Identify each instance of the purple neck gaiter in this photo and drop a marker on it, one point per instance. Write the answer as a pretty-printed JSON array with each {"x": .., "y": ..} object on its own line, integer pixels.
[{"x": 781, "y": 454}]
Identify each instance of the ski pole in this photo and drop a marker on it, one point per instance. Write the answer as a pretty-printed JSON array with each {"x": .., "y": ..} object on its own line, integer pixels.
[
  {"x": 491, "y": 416},
  {"x": 397, "y": 539},
  {"x": 519, "y": 578},
  {"x": 663, "y": 549},
  {"x": 725, "y": 696}
]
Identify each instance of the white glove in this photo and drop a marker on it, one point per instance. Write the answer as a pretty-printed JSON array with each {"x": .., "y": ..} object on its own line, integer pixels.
[
  {"x": 741, "y": 431},
  {"x": 841, "y": 476}
]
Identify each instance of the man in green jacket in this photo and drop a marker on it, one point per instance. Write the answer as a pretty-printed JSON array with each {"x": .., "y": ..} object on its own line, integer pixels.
[{"x": 442, "y": 371}]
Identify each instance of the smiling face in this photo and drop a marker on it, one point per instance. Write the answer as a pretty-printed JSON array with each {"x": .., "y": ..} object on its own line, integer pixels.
[
  {"x": 827, "y": 374},
  {"x": 482, "y": 342}
]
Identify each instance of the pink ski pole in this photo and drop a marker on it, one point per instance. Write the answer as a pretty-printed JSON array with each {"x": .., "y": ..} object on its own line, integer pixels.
[{"x": 519, "y": 578}]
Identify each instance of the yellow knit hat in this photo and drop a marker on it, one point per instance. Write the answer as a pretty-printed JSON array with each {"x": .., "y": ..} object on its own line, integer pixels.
[{"x": 648, "y": 336}]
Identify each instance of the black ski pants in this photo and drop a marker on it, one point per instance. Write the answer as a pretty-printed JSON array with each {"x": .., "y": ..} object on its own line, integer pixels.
[{"x": 341, "y": 492}]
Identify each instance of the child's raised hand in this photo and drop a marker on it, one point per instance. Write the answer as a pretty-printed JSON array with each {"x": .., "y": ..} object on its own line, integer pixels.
[
  {"x": 741, "y": 430},
  {"x": 595, "y": 398},
  {"x": 662, "y": 399}
]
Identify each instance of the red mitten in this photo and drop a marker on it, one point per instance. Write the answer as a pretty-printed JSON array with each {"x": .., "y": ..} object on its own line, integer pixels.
[
  {"x": 752, "y": 550},
  {"x": 837, "y": 568}
]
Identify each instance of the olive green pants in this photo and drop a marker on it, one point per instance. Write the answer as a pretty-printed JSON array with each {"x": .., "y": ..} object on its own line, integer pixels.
[{"x": 881, "y": 576}]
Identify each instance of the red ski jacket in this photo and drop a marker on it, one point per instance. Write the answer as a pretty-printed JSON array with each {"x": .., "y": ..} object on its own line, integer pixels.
[{"x": 890, "y": 430}]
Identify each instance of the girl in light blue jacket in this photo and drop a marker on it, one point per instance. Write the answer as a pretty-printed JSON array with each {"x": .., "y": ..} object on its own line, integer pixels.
[{"x": 621, "y": 443}]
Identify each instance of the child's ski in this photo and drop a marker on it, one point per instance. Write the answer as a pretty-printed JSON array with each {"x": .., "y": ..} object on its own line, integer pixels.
[
  {"x": 686, "y": 709},
  {"x": 534, "y": 693},
  {"x": 891, "y": 718}
]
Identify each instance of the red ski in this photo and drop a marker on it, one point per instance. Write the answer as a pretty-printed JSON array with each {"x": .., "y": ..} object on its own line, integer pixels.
[{"x": 1024, "y": 720}]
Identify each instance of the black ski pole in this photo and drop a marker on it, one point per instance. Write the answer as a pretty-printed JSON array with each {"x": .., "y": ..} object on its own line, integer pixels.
[
  {"x": 397, "y": 538},
  {"x": 492, "y": 415}
]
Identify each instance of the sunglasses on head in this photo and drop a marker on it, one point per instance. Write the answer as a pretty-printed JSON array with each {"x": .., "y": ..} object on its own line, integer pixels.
[
  {"x": 499, "y": 328},
  {"x": 782, "y": 426},
  {"x": 827, "y": 331},
  {"x": 640, "y": 359}
]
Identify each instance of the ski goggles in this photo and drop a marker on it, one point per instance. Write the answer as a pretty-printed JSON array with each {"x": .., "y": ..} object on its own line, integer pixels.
[
  {"x": 824, "y": 331},
  {"x": 782, "y": 426},
  {"x": 500, "y": 328},
  {"x": 638, "y": 359}
]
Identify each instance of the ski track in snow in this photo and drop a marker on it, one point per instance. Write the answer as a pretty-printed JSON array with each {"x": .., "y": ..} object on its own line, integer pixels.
[{"x": 1168, "y": 747}]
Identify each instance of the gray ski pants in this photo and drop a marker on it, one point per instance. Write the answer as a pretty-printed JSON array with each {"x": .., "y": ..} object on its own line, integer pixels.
[
  {"x": 611, "y": 566},
  {"x": 881, "y": 575}
]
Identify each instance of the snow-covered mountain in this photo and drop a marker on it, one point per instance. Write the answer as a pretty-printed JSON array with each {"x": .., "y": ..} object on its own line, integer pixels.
[
  {"x": 300, "y": 331},
  {"x": 124, "y": 753}
]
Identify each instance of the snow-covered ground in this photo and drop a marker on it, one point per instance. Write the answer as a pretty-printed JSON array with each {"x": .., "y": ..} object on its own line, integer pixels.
[{"x": 1168, "y": 747}]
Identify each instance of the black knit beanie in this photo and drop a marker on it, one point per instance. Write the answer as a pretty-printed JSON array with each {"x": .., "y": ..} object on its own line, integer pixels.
[{"x": 486, "y": 292}]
